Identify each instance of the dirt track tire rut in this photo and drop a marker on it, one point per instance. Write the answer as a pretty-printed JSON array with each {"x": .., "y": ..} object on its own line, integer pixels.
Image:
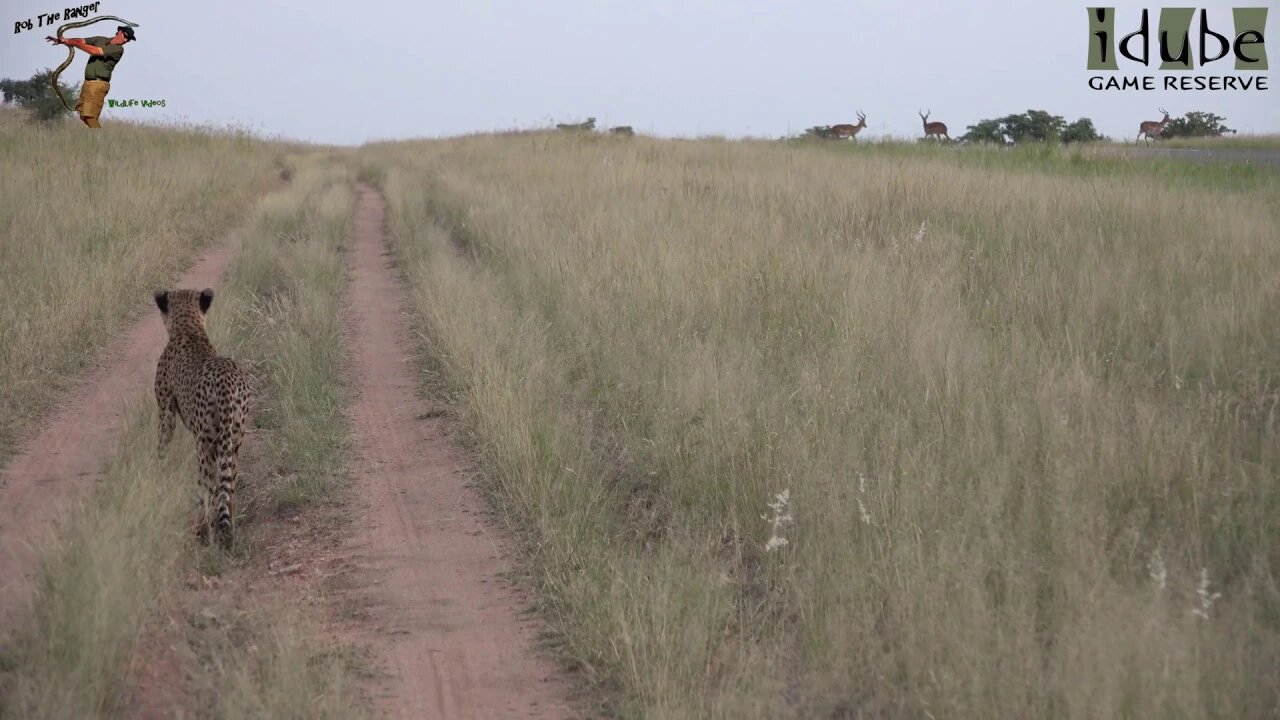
[{"x": 424, "y": 566}]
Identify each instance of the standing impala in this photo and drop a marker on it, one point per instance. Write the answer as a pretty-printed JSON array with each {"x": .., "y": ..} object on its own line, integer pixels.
[
  {"x": 849, "y": 131},
  {"x": 933, "y": 128},
  {"x": 1152, "y": 127}
]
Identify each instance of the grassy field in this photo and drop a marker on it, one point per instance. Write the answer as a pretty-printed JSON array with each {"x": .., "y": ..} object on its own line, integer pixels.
[
  {"x": 885, "y": 431},
  {"x": 98, "y": 609},
  {"x": 1105, "y": 161},
  {"x": 1242, "y": 142},
  {"x": 91, "y": 224},
  {"x": 783, "y": 429}
]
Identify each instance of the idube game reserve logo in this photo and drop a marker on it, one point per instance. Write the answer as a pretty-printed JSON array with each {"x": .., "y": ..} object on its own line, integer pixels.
[{"x": 1186, "y": 39}]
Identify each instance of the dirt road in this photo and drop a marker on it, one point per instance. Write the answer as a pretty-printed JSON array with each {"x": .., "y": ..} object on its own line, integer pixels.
[
  {"x": 423, "y": 586},
  {"x": 57, "y": 466}
]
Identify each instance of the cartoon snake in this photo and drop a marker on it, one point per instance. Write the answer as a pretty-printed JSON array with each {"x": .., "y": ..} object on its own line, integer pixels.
[{"x": 71, "y": 52}]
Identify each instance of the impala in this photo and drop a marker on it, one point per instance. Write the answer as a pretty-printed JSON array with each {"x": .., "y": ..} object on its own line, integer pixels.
[
  {"x": 849, "y": 131},
  {"x": 1149, "y": 127},
  {"x": 933, "y": 128}
]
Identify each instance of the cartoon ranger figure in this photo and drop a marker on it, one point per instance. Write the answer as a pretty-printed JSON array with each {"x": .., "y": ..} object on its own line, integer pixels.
[{"x": 104, "y": 53}]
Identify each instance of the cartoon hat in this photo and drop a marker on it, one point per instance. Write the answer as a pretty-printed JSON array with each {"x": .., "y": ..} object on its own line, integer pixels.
[{"x": 128, "y": 32}]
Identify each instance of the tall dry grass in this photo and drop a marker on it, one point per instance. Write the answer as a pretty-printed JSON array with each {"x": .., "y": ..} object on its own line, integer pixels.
[
  {"x": 1024, "y": 421},
  {"x": 102, "y": 581},
  {"x": 91, "y": 222},
  {"x": 287, "y": 300}
]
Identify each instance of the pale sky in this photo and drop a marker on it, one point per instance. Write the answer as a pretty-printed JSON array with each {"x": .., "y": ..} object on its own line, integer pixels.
[{"x": 347, "y": 73}]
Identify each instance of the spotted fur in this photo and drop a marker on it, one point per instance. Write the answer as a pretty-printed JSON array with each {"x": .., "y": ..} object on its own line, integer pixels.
[{"x": 210, "y": 394}]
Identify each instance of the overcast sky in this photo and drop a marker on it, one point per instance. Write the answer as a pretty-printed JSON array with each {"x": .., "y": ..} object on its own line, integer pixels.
[{"x": 348, "y": 72}]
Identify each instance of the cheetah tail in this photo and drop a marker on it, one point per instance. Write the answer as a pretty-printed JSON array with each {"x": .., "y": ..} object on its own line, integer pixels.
[{"x": 224, "y": 496}]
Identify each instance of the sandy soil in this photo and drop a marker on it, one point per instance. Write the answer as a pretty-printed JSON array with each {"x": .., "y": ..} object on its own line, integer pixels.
[
  {"x": 424, "y": 568},
  {"x": 62, "y": 462}
]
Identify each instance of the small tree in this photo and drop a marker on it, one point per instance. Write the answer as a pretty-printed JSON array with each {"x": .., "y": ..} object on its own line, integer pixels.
[
  {"x": 1036, "y": 125},
  {"x": 1197, "y": 124},
  {"x": 1081, "y": 130},
  {"x": 37, "y": 95},
  {"x": 818, "y": 131},
  {"x": 991, "y": 131},
  {"x": 1032, "y": 126}
]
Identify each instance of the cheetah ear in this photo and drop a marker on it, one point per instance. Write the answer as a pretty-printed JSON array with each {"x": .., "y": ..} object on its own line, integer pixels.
[
  {"x": 162, "y": 301},
  {"x": 206, "y": 299}
]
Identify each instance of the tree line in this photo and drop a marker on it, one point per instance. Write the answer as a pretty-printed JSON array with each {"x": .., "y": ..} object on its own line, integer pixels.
[{"x": 1043, "y": 126}]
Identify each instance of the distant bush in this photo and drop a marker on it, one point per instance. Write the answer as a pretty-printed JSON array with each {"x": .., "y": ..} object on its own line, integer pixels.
[
  {"x": 1197, "y": 124},
  {"x": 991, "y": 131},
  {"x": 36, "y": 95},
  {"x": 1081, "y": 130},
  {"x": 1032, "y": 126}
]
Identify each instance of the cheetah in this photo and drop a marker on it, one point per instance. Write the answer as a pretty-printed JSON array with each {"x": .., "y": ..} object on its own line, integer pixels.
[{"x": 211, "y": 395}]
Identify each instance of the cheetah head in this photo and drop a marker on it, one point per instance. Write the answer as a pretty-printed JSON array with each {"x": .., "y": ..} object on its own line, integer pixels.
[{"x": 183, "y": 309}]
